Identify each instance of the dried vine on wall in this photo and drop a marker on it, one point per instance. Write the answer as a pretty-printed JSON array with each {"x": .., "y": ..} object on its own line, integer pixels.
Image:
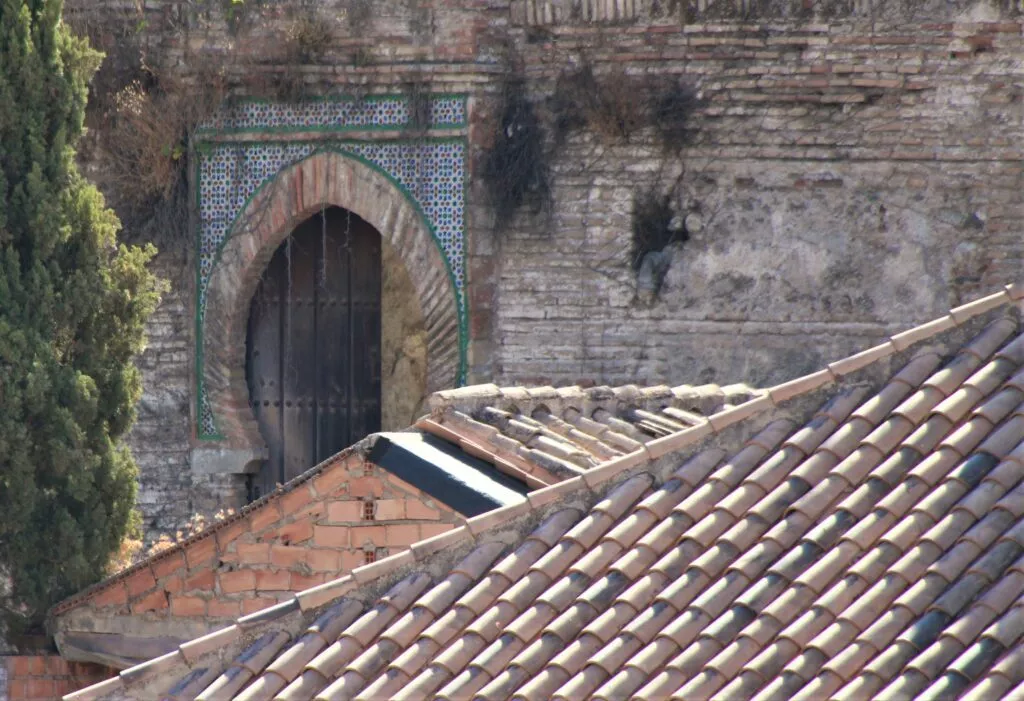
[
  {"x": 515, "y": 168},
  {"x": 609, "y": 110},
  {"x": 141, "y": 123},
  {"x": 149, "y": 136}
]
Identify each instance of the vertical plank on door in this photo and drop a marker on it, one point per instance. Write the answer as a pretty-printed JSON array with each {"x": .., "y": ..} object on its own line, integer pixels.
[
  {"x": 333, "y": 430},
  {"x": 313, "y": 358},
  {"x": 298, "y": 353},
  {"x": 364, "y": 340}
]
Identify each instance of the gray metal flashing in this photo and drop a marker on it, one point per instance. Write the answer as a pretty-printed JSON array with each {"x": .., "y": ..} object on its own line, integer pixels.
[{"x": 446, "y": 473}]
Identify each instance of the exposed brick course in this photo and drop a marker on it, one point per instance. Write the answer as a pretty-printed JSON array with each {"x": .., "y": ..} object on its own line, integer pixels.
[
  {"x": 153, "y": 601},
  {"x": 238, "y": 581},
  {"x": 253, "y": 553},
  {"x": 345, "y": 511},
  {"x": 168, "y": 565},
  {"x": 201, "y": 553},
  {"x": 296, "y": 532},
  {"x": 188, "y": 606},
  {"x": 140, "y": 582},
  {"x": 201, "y": 580},
  {"x": 217, "y": 608},
  {"x": 45, "y": 677},
  {"x": 292, "y": 556},
  {"x": 284, "y": 544}
]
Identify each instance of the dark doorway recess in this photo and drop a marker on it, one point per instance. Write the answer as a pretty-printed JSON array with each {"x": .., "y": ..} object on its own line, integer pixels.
[{"x": 313, "y": 345}]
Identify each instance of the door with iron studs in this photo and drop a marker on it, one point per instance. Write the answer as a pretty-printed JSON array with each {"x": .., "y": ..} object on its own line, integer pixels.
[{"x": 313, "y": 345}]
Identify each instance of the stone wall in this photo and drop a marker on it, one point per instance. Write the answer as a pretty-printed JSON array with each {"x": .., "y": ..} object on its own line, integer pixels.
[
  {"x": 852, "y": 180},
  {"x": 170, "y": 492},
  {"x": 161, "y": 437},
  {"x": 855, "y": 169}
]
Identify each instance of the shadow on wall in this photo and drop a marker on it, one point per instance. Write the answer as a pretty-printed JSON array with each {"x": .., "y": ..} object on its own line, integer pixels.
[{"x": 403, "y": 345}]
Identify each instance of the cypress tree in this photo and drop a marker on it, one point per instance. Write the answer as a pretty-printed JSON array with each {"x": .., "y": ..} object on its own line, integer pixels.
[{"x": 72, "y": 308}]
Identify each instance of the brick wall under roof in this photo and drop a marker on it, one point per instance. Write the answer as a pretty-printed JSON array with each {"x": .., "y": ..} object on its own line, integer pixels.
[
  {"x": 45, "y": 677},
  {"x": 347, "y": 514}
]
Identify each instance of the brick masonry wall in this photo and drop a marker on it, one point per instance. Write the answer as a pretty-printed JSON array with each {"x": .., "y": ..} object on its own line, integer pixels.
[
  {"x": 856, "y": 173},
  {"x": 46, "y": 677},
  {"x": 350, "y": 514},
  {"x": 853, "y": 180}
]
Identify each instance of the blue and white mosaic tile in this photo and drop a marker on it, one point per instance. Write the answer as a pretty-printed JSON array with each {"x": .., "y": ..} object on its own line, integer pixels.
[
  {"x": 430, "y": 170},
  {"x": 377, "y": 112}
]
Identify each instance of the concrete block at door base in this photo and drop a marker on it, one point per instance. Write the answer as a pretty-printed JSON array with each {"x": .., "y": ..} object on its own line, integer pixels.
[{"x": 216, "y": 460}]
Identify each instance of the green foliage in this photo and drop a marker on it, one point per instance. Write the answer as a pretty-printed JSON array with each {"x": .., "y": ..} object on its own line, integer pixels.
[{"x": 72, "y": 308}]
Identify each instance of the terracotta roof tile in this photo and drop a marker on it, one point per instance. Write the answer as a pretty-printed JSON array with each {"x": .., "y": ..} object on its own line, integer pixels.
[
  {"x": 858, "y": 361},
  {"x": 980, "y": 305},
  {"x": 821, "y": 540},
  {"x": 190, "y": 686},
  {"x": 549, "y": 433},
  {"x": 877, "y": 407}
]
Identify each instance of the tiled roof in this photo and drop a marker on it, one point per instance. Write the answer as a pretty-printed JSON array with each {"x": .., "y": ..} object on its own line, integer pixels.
[
  {"x": 545, "y": 435},
  {"x": 856, "y": 533},
  {"x": 540, "y": 435}
]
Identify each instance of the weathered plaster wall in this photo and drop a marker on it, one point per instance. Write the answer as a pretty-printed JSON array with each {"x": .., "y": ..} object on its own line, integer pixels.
[
  {"x": 856, "y": 171},
  {"x": 403, "y": 346}
]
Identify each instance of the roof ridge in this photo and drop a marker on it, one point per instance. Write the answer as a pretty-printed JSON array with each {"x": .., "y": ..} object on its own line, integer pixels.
[
  {"x": 474, "y": 397},
  {"x": 504, "y": 461}
]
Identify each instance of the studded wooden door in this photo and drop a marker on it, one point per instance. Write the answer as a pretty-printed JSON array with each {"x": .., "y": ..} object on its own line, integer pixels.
[{"x": 313, "y": 349}]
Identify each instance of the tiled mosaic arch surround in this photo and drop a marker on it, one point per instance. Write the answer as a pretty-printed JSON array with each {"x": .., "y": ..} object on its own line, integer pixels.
[{"x": 244, "y": 148}]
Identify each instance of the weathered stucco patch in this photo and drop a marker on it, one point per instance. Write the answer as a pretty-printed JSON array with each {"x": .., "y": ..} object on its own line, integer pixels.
[{"x": 403, "y": 345}]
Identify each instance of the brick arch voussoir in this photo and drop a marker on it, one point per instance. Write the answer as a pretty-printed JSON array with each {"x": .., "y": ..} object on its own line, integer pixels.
[{"x": 295, "y": 194}]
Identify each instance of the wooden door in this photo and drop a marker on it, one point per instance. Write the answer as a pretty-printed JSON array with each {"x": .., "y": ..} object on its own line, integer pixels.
[{"x": 313, "y": 347}]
